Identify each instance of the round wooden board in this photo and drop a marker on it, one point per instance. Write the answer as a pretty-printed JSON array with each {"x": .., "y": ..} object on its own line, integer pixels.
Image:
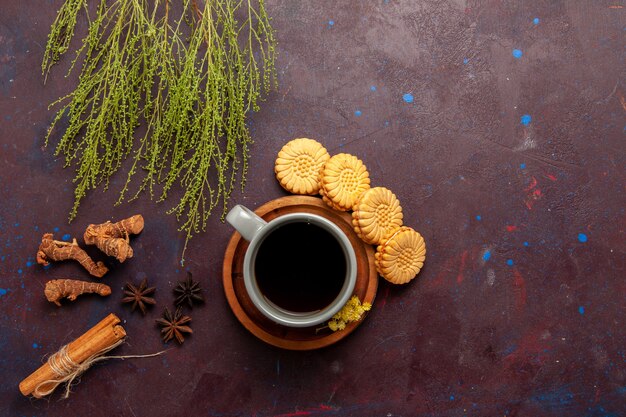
[{"x": 275, "y": 334}]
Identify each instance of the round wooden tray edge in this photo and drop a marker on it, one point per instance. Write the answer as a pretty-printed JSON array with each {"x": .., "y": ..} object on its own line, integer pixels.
[{"x": 233, "y": 301}]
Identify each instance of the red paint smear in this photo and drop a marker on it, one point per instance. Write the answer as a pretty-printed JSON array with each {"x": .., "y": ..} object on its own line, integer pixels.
[
  {"x": 459, "y": 277},
  {"x": 519, "y": 289},
  {"x": 597, "y": 397},
  {"x": 532, "y": 193},
  {"x": 439, "y": 281},
  {"x": 531, "y": 348},
  {"x": 551, "y": 177},
  {"x": 449, "y": 271},
  {"x": 382, "y": 302},
  {"x": 306, "y": 412},
  {"x": 533, "y": 184},
  {"x": 511, "y": 228}
]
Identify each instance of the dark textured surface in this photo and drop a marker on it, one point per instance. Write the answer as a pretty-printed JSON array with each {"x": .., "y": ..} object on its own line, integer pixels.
[{"x": 520, "y": 308}]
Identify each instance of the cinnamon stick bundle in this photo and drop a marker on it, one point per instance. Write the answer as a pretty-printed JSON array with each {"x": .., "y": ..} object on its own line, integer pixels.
[{"x": 75, "y": 358}]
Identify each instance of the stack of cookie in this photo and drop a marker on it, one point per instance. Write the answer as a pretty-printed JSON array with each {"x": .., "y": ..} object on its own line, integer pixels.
[{"x": 304, "y": 166}]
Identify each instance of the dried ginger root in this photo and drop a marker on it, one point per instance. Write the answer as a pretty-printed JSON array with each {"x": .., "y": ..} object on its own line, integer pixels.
[
  {"x": 113, "y": 238},
  {"x": 56, "y": 250},
  {"x": 71, "y": 288}
]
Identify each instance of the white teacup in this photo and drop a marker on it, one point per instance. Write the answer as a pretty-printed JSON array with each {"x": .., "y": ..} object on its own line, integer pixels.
[{"x": 299, "y": 269}]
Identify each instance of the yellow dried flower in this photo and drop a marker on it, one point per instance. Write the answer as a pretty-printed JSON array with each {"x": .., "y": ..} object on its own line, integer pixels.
[{"x": 351, "y": 312}]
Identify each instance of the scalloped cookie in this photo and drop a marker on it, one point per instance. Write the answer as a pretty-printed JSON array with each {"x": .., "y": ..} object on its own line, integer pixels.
[
  {"x": 377, "y": 214},
  {"x": 298, "y": 166},
  {"x": 343, "y": 179},
  {"x": 402, "y": 256}
]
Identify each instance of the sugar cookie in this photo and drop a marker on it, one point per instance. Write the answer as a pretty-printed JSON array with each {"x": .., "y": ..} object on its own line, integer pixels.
[
  {"x": 377, "y": 214},
  {"x": 344, "y": 178},
  {"x": 298, "y": 166},
  {"x": 402, "y": 256}
]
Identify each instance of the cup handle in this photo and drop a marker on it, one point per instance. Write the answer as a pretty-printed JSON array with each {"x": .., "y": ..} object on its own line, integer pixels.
[{"x": 245, "y": 221}]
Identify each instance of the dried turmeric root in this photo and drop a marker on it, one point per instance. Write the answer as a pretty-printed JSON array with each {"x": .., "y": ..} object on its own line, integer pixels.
[
  {"x": 55, "y": 250},
  {"x": 71, "y": 288},
  {"x": 113, "y": 238}
]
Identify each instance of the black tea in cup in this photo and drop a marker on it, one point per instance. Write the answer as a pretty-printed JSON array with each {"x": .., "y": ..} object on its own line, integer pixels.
[{"x": 300, "y": 267}]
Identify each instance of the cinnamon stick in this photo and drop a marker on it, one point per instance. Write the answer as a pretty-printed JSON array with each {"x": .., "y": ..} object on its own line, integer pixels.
[{"x": 100, "y": 337}]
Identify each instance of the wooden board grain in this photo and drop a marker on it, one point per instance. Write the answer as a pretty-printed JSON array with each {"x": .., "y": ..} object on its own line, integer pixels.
[{"x": 281, "y": 336}]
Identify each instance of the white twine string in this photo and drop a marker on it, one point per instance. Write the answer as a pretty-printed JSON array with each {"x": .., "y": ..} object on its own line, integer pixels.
[{"x": 67, "y": 370}]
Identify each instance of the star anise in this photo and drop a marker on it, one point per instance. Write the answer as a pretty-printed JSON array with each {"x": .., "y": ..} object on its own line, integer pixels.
[
  {"x": 139, "y": 296},
  {"x": 173, "y": 325},
  {"x": 188, "y": 291}
]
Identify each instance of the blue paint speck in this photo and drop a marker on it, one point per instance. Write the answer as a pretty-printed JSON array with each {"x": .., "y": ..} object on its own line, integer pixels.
[
  {"x": 522, "y": 166},
  {"x": 536, "y": 21},
  {"x": 35, "y": 345},
  {"x": 36, "y": 228},
  {"x": 17, "y": 225},
  {"x": 479, "y": 218},
  {"x": 358, "y": 113},
  {"x": 555, "y": 399},
  {"x": 3, "y": 291},
  {"x": 509, "y": 350},
  {"x": 581, "y": 310},
  {"x": 509, "y": 262},
  {"x": 331, "y": 23},
  {"x": 29, "y": 263},
  {"x": 452, "y": 398},
  {"x": 465, "y": 60},
  {"x": 517, "y": 53},
  {"x": 526, "y": 243},
  {"x": 19, "y": 271},
  {"x": 66, "y": 237},
  {"x": 373, "y": 88},
  {"x": 408, "y": 97},
  {"x": 525, "y": 119},
  {"x": 56, "y": 229},
  {"x": 486, "y": 256},
  {"x": 582, "y": 238}
]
